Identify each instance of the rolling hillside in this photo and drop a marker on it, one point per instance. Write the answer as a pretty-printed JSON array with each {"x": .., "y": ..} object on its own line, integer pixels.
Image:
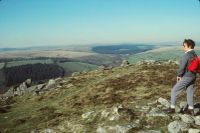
[
  {"x": 87, "y": 103},
  {"x": 160, "y": 54}
]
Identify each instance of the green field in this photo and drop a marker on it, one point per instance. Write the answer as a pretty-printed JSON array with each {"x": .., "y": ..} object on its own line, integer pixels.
[
  {"x": 158, "y": 55},
  {"x": 24, "y": 62},
  {"x": 77, "y": 66},
  {"x": 68, "y": 66}
]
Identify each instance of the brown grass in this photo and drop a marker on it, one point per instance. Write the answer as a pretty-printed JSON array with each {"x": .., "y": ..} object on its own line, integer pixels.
[{"x": 96, "y": 90}]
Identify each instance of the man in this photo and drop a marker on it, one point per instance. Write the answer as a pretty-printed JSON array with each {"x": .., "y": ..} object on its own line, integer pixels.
[{"x": 185, "y": 79}]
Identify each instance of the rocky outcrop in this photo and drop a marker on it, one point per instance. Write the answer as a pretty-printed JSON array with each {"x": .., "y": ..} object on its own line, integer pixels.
[
  {"x": 163, "y": 102},
  {"x": 75, "y": 74},
  {"x": 172, "y": 62},
  {"x": 114, "y": 114},
  {"x": 180, "y": 122},
  {"x": 48, "y": 130},
  {"x": 187, "y": 118},
  {"x": 105, "y": 67},
  {"x": 148, "y": 62},
  {"x": 51, "y": 84},
  {"x": 156, "y": 112},
  {"x": 27, "y": 86},
  {"x": 191, "y": 130},
  {"x": 150, "y": 131},
  {"x": 156, "y": 62},
  {"x": 116, "y": 129},
  {"x": 19, "y": 90},
  {"x": 125, "y": 63},
  {"x": 122, "y": 119},
  {"x": 177, "y": 127}
]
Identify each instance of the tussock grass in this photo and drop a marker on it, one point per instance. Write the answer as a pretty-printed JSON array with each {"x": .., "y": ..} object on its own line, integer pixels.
[{"x": 94, "y": 91}]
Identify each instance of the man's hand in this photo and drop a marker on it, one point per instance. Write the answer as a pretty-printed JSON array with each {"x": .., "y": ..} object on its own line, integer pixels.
[{"x": 178, "y": 78}]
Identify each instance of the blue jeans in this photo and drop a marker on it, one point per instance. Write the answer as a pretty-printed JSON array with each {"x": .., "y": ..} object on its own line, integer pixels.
[{"x": 187, "y": 83}]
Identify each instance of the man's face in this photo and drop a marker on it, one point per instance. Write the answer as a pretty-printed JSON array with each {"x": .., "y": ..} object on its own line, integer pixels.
[{"x": 185, "y": 47}]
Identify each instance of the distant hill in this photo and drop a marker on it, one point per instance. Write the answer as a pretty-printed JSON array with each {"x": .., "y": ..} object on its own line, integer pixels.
[
  {"x": 122, "y": 49},
  {"x": 160, "y": 54},
  {"x": 8, "y": 49}
]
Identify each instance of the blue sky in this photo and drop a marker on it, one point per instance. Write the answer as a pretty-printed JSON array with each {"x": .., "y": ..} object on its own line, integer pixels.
[{"x": 25, "y": 23}]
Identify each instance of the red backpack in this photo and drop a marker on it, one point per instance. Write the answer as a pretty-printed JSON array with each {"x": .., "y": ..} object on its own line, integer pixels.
[{"x": 195, "y": 64}]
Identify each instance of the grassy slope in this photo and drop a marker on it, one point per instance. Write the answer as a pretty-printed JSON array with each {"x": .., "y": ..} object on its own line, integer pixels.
[
  {"x": 167, "y": 53},
  {"x": 95, "y": 90}
]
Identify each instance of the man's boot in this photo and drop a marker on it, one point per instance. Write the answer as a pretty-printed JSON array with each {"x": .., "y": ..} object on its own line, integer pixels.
[
  {"x": 169, "y": 110},
  {"x": 189, "y": 112}
]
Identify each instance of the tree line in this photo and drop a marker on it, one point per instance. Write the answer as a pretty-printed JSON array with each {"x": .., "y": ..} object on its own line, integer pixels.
[{"x": 37, "y": 72}]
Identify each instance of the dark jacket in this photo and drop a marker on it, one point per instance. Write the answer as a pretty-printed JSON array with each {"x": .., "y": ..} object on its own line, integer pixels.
[{"x": 184, "y": 64}]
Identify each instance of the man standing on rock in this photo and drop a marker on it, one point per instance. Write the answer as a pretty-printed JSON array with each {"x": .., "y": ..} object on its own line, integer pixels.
[{"x": 185, "y": 79}]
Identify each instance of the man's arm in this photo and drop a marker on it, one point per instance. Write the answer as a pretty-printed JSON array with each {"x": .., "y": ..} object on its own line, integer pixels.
[{"x": 182, "y": 67}]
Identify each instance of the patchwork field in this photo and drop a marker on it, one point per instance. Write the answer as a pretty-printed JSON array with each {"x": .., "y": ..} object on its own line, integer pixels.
[{"x": 160, "y": 54}]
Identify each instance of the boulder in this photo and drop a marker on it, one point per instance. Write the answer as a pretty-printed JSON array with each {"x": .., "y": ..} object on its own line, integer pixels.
[
  {"x": 187, "y": 118},
  {"x": 70, "y": 127},
  {"x": 156, "y": 112},
  {"x": 69, "y": 85},
  {"x": 102, "y": 67},
  {"x": 150, "y": 131},
  {"x": 41, "y": 86},
  {"x": 10, "y": 92},
  {"x": 197, "y": 120},
  {"x": 178, "y": 127},
  {"x": 117, "y": 129},
  {"x": 48, "y": 131},
  {"x": 114, "y": 114},
  {"x": 28, "y": 83},
  {"x": 163, "y": 102},
  {"x": 87, "y": 115},
  {"x": 101, "y": 130},
  {"x": 191, "y": 130},
  {"x": 171, "y": 62},
  {"x": 145, "y": 108},
  {"x": 110, "y": 114},
  {"x": 176, "y": 117},
  {"x": 34, "y": 131},
  {"x": 59, "y": 79},
  {"x": 76, "y": 74},
  {"x": 19, "y": 90},
  {"x": 124, "y": 63},
  {"x": 51, "y": 84},
  {"x": 152, "y": 103},
  {"x": 43, "y": 131},
  {"x": 196, "y": 111},
  {"x": 105, "y": 113}
]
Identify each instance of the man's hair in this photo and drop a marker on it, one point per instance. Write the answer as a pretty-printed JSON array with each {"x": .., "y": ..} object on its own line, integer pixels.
[{"x": 189, "y": 42}]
